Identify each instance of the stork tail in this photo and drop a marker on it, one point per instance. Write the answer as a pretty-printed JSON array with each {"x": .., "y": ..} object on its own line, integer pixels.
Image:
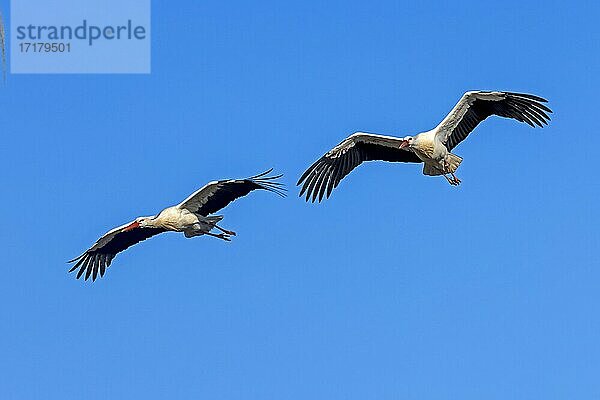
[
  {"x": 435, "y": 169},
  {"x": 453, "y": 162},
  {"x": 213, "y": 219}
]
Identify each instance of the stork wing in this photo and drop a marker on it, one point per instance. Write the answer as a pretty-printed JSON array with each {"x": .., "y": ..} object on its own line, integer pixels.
[
  {"x": 327, "y": 172},
  {"x": 218, "y": 194},
  {"x": 98, "y": 257},
  {"x": 476, "y": 106}
]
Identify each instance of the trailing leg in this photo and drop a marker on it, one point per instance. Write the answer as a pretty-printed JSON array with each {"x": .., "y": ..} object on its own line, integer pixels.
[
  {"x": 456, "y": 180},
  {"x": 232, "y": 233},
  {"x": 450, "y": 181},
  {"x": 222, "y": 236}
]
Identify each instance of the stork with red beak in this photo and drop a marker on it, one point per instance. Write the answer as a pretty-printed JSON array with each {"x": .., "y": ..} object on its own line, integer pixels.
[
  {"x": 191, "y": 216},
  {"x": 432, "y": 148}
]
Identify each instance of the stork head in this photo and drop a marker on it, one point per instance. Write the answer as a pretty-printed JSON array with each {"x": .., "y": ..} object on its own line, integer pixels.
[
  {"x": 140, "y": 222},
  {"x": 407, "y": 141},
  {"x": 144, "y": 222}
]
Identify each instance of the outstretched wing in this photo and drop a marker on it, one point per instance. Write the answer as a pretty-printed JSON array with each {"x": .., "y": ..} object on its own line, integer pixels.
[
  {"x": 476, "y": 106},
  {"x": 218, "y": 194},
  {"x": 98, "y": 257},
  {"x": 327, "y": 172}
]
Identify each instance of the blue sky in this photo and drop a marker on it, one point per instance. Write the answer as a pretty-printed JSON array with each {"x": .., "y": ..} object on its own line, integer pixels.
[{"x": 399, "y": 286}]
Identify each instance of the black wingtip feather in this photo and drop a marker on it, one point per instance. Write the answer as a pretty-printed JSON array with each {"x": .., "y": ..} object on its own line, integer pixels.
[
  {"x": 90, "y": 266},
  {"x": 81, "y": 260},
  {"x": 76, "y": 259},
  {"x": 267, "y": 172},
  {"x": 96, "y": 267},
  {"x": 83, "y": 267},
  {"x": 528, "y": 96},
  {"x": 308, "y": 171},
  {"x": 102, "y": 265},
  {"x": 268, "y": 183}
]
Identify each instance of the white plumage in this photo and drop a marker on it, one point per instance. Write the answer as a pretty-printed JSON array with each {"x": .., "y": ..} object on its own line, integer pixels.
[
  {"x": 191, "y": 216},
  {"x": 432, "y": 148}
]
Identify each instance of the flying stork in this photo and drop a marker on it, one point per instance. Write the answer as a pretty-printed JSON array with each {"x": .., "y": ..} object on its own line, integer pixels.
[
  {"x": 433, "y": 148},
  {"x": 192, "y": 217}
]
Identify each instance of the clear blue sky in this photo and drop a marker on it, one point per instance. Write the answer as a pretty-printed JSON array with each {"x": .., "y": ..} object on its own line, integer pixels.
[{"x": 399, "y": 286}]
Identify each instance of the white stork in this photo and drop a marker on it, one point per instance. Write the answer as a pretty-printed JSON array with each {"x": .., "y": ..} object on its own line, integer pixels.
[
  {"x": 431, "y": 148},
  {"x": 191, "y": 216}
]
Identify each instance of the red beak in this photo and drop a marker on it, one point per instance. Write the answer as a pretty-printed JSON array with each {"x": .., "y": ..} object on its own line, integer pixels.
[
  {"x": 404, "y": 144},
  {"x": 133, "y": 225}
]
